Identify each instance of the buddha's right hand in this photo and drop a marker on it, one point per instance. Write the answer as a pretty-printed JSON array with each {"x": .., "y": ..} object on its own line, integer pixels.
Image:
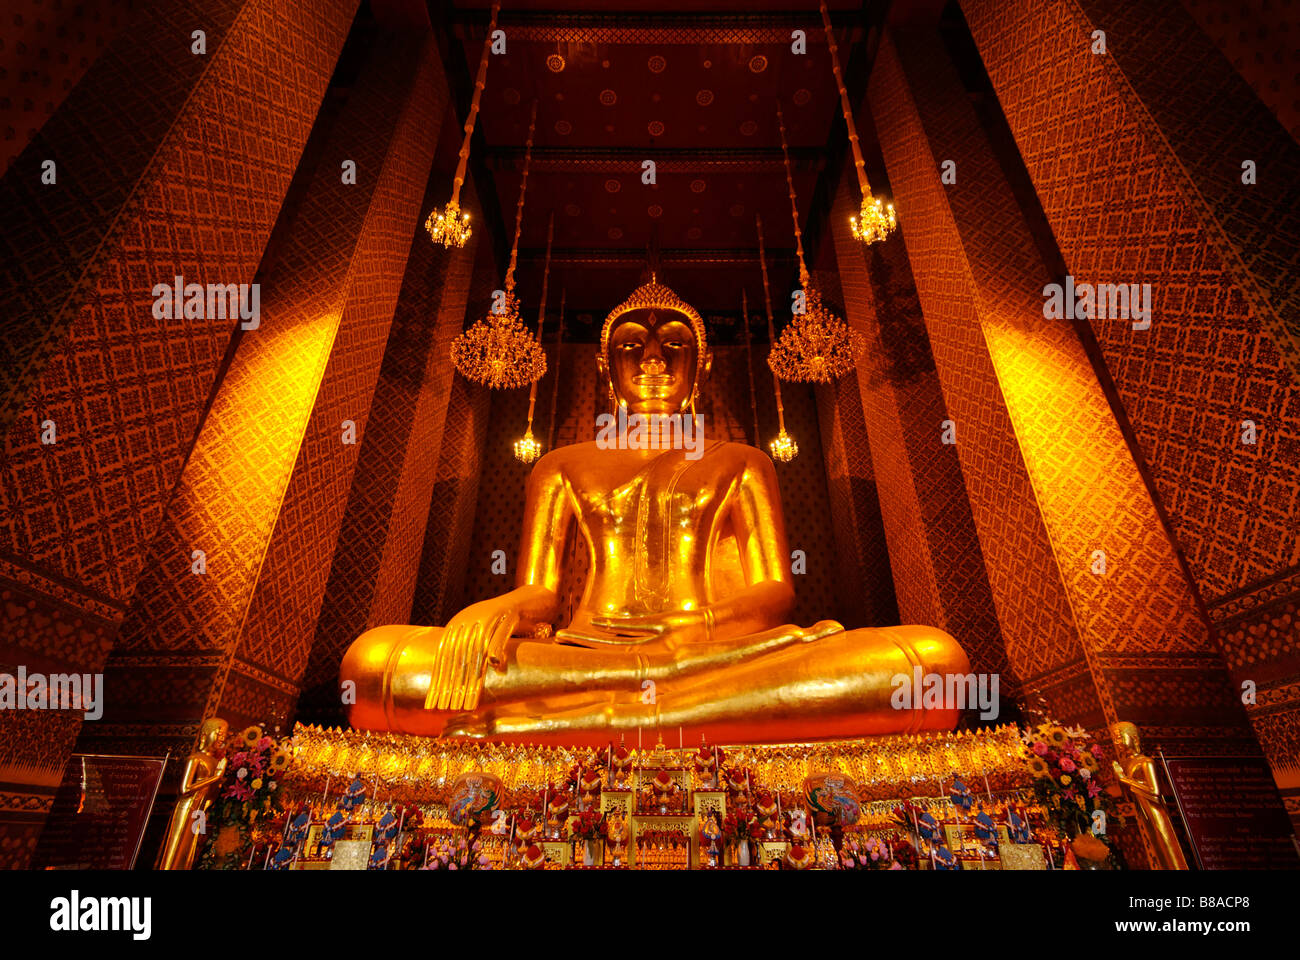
[{"x": 473, "y": 639}]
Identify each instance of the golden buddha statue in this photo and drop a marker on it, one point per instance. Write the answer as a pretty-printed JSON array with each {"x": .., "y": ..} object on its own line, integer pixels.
[
  {"x": 200, "y": 781},
  {"x": 684, "y": 621},
  {"x": 1137, "y": 771}
]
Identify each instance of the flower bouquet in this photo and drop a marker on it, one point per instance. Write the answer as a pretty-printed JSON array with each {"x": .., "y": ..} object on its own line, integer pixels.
[
  {"x": 1068, "y": 787},
  {"x": 250, "y": 789}
]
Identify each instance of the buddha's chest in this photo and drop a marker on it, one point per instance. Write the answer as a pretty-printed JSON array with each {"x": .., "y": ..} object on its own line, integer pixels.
[{"x": 670, "y": 497}]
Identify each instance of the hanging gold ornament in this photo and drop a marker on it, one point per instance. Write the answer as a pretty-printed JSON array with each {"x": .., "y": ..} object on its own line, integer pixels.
[
  {"x": 527, "y": 449},
  {"x": 449, "y": 226},
  {"x": 498, "y": 351},
  {"x": 783, "y": 447},
  {"x": 876, "y": 219},
  {"x": 816, "y": 346}
]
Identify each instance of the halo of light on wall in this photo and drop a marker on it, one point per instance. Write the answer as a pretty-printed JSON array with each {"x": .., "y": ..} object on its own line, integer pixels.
[
  {"x": 698, "y": 186},
  {"x": 655, "y": 128},
  {"x": 608, "y": 98},
  {"x": 555, "y": 63},
  {"x": 704, "y": 97},
  {"x": 758, "y": 64},
  {"x": 657, "y": 64}
]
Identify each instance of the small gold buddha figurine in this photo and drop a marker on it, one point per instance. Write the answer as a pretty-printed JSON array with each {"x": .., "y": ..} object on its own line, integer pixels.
[
  {"x": 1138, "y": 773},
  {"x": 199, "y": 782},
  {"x": 685, "y": 618}
]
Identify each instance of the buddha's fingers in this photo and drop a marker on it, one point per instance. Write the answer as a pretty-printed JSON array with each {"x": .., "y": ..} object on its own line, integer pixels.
[
  {"x": 467, "y": 657},
  {"x": 482, "y": 655},
  {"x": 441, "y": 664},
  {"x": 447, "y": 694}
]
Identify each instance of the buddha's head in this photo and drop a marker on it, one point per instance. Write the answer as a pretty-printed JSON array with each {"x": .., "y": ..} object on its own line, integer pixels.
[
  {"x": 212, "y": 732},
  {"x": 653, "y": 353}
]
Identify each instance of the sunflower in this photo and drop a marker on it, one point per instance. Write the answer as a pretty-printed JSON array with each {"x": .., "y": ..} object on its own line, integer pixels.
[
  {"x": 1038, "y": 767},
  {"x": 251, "y": 735},
  {"x": 1089, "y": 762},
  {"x": 280, "y": 760},
  {"x": 1057, "y": 736}
]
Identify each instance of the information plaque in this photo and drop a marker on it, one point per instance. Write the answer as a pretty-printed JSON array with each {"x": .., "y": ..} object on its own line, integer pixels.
[
  {"x": 1233, "y": 813},
  {"x": 99, "y": 813}
]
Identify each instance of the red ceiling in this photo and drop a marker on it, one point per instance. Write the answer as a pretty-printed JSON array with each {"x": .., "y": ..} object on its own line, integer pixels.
[{"x": 655, "y": 87}]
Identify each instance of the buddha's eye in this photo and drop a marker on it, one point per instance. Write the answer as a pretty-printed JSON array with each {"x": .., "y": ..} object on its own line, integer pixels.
[
  {"x": 674, "y": 344},
  {"x": 629, "y": 345}
]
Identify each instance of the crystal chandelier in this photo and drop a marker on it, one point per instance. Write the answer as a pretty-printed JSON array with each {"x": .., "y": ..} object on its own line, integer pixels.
[
  {"x": 527, "y": 449},
  {"x": 816, "y": 346},
  {"x": 449, "y": 226},
  {"x": 875, "y": 220},
  {"x": 498, "y": 351},
  {"x": 783, "y": 447}
]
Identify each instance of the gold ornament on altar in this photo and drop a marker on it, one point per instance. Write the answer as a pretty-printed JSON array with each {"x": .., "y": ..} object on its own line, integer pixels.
[
  {"x": 498, "y": 351},
  {"x": 875, "y": 220},
  {"x": 816, "y": 346}
]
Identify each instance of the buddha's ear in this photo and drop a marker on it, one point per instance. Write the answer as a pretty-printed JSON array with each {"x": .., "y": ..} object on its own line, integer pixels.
[{"x": 706, "y": 367}]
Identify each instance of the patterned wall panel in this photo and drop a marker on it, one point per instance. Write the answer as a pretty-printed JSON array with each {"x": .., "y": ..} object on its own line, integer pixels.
[
  {"x": 1258, "y": 38},
  {"x": 863, "y": 583},
  {"x": 1037, "y": 623},
  {"x": 373, "y": 572},
  {"x": 1147, "y": 643},
  {"x": 445, "y": 554},
  {"x": 158, "y": 174},
  {"x": 1123, "y": 210},
  {"x": 1135, "y": 207},
  {"x": 47, "y": 50},
  {"x": 263, "y": 491},
  {"x": 934, "y": 548}
]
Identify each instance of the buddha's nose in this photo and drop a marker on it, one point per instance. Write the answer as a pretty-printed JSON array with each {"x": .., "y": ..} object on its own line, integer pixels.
[{"x": 652, "y": 361}]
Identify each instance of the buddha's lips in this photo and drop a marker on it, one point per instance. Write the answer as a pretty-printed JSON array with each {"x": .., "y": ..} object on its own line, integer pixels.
[{"x": 652, "y": 380}]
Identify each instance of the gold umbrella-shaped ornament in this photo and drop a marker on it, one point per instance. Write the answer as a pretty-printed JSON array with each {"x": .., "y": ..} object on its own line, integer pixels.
[
  {"x": 816, "y": 346},
  {"x": 498, "y": 351}
]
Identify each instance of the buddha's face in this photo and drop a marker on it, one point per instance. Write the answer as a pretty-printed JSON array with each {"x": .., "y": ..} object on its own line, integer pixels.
[{"x": 652, "y": 361}]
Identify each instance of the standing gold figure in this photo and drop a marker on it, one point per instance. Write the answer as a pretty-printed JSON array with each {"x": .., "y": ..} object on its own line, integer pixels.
[
  {"x": 1138, "y": 773},
  {"x": 684, "y": 622},
  {"x": 199, "y": 781}
]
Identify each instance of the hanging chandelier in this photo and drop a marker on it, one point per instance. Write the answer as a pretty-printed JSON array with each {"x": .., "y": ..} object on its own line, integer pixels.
[
  {"x": 876, "y": 219},
  {"x": 783, "y": 447},
  {"x": 816, "y": 346},
  {"x": 449, "y": 226},
  {"x": 527, "y": 449},
  {"x": 498, "y": 351}
]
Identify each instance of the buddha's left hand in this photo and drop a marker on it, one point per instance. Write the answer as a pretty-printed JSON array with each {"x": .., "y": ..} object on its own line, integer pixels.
[{"x": 680, "y": 626}]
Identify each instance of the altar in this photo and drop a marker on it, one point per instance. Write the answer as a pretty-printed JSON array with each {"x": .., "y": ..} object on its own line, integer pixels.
[{"x": 938, "y": 801}]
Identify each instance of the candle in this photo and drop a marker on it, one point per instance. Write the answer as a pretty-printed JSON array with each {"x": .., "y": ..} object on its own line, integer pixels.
[{"x": 679, "y": 738}]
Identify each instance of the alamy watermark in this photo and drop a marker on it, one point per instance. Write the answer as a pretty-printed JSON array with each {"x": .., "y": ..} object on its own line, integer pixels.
[
  {"x": 1102, "y": 301},
  {"x": 946, "y": 691},
  {"x": 57, "y": 691},
  {"x": 651, "y": 431},
  {"x": 213, "y": 301}
]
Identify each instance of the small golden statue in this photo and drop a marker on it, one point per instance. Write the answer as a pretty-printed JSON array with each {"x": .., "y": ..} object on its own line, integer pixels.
[
  {"x": 199, "y": 781},
  {"x": 689, "y": 594},
  {"x": 1138, "y": 773}
]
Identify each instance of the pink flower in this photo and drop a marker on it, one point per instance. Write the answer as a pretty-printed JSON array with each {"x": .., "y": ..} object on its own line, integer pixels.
[
  {"x": 1096, "y": 750},
  {"x": 895, "y": 866},
  {"x": 1040, "y": 748},
  {"x": 1093, "y": 789},
  {"x": 1067, "y": 765}
]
